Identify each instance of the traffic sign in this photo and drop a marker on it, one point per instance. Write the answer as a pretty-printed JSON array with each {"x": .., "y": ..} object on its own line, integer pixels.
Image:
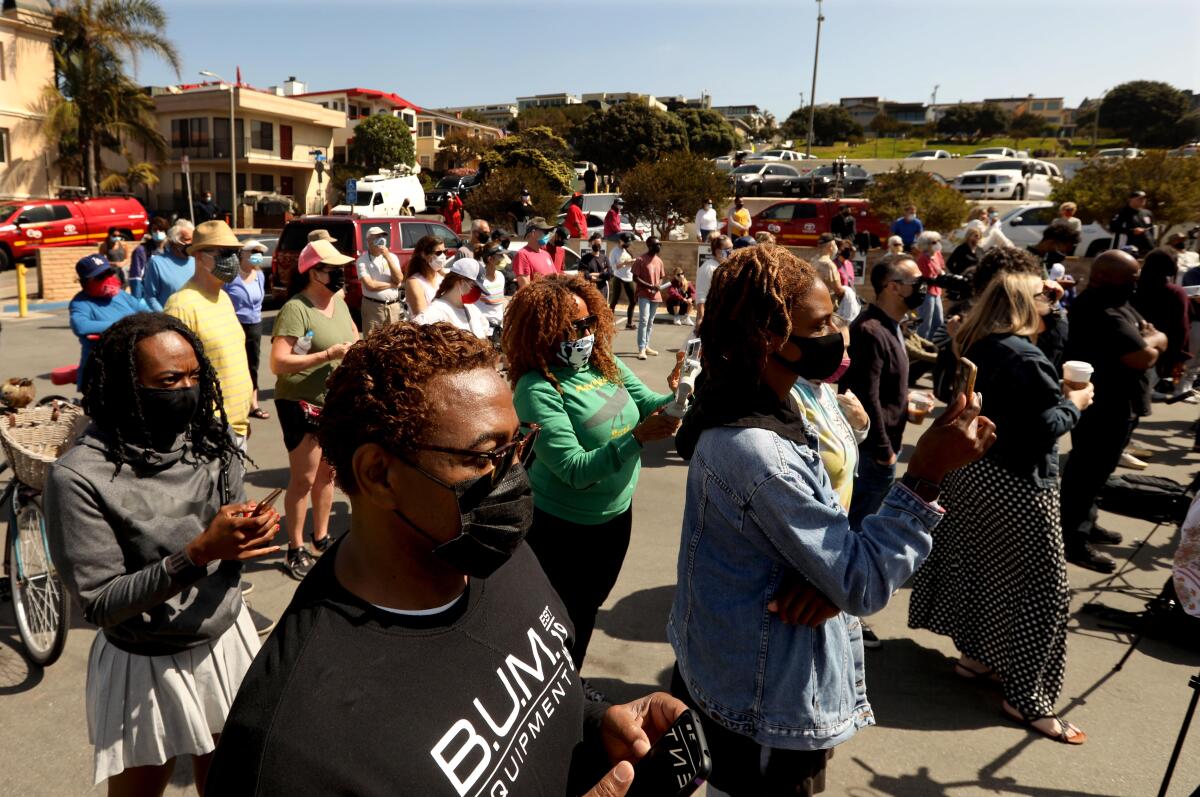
[{"x": 351, "y": 191}]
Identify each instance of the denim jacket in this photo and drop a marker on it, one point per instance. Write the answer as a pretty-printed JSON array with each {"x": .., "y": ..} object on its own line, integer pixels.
[{"x": 760, "y": 507}]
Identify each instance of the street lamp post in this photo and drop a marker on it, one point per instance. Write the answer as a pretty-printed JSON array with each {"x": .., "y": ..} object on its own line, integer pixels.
[
  {"x": 233, "y": 203},
  {"x": 812, "y": 94}
]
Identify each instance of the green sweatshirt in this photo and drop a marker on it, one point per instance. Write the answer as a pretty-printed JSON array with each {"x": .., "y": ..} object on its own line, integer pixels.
[{"x": 587, "y": 460}]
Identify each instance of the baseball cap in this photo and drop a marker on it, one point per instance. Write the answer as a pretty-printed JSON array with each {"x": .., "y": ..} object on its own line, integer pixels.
[
  {"x": 626, "y": 237},
  {"x": 253, "y": 246},
  {"x": 376, "y": 231},
  {"x": 321, "y": 252},
  {"x": 618, "y": 201},
  {"x": 468, "y": 267},
  {"x": 538, "y": 223},
  {"x": 321, "y": 235},
  {"x": 1136, "y": 194},
  {"x": 490, "y": 252},
  {"x": 743, "y": 242},
  {"x": 825, "y": 238},
  {"x": 92, "y": 266}
]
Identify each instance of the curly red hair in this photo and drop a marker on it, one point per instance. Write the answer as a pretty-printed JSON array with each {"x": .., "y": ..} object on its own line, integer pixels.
[
  {"x": 377, "y": 394},
  {"x": 539, "y": 317}
]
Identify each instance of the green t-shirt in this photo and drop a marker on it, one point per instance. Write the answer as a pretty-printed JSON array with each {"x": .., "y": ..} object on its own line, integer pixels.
[
  {"x": 587, "y": 460},
  {"x": 295, "y": 319}
]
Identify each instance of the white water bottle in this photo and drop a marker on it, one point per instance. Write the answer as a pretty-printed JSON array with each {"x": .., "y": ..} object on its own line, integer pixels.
[{"x": 303, "y": 344}]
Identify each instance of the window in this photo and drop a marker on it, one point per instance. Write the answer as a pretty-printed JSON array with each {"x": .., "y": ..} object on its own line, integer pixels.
[
  {"x": 1053, "y": 105},
  {"x": 1037, "y": 217},
  {"x": 411, "y": 233},
  {"x": 441, "y": 130},
  {"x": 777, "y": 213},
  {"x": 190, "y": 135},
  {"x": 37, "y": 214},
  {"x": 446, "y": 234},
  {"x": 353, "y": 112},
  {"x": 61, "y": 212},
  {"x": 426, "y": 162},
  {"x": 262, "y": 182},
  {"x": 3, "y": 65},
  {"x": 287, "y": 186},
  {"x": 262, "y": 135},
  {"x": 426, "y": 129},
  {"x": 220, "y": 138},
  {"x": 804, "y": 210},
  {"x": 3, "y": 145},
  {"x": 1039, "y": 106}
]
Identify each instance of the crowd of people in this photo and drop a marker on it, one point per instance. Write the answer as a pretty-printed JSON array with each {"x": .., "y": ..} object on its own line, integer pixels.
[{"x": 490, "y": 439}]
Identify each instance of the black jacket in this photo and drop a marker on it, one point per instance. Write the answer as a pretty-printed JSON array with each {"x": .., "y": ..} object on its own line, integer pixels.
[{"x": 878, "y": 375}]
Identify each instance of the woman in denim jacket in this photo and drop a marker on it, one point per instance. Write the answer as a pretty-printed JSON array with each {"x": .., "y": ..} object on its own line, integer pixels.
[{"x": 770, "y": 576}]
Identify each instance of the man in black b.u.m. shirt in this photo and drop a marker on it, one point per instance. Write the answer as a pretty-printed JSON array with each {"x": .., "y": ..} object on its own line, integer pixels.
[{"x": 427, "y": 653}]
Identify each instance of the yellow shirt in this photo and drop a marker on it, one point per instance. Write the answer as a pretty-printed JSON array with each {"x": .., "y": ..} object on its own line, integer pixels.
[
  {"x": 216, "y": 325},
  {"x": 838, "y": 442},
  {"x": 739, "y": 223}
]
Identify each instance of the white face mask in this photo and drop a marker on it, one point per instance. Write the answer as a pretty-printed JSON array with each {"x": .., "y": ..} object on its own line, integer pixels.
[{"x": 440, "y": 261}]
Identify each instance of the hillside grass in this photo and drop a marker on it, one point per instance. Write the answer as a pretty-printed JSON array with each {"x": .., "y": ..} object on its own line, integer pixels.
[{"x": 900, "y": 147}]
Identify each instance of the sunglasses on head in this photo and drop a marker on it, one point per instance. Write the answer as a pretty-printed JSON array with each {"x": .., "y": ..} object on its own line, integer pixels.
[
  {"x": 519, "y": 449},
  {"x": 585, "y": 326}
]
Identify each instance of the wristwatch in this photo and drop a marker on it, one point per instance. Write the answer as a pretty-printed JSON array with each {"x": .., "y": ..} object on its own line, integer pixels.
[{"x": 924, "y": 489}]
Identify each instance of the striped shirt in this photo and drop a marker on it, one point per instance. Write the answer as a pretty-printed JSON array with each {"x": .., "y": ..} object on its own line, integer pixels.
[{"x": 216, "y": 324}]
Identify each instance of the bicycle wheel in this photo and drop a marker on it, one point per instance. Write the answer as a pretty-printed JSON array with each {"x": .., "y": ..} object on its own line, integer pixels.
[{"x": 39, "y": 600}]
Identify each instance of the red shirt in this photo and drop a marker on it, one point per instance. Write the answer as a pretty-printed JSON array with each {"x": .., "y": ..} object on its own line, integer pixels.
[
  {"x": 932, "y": 266},
  {"x": 649, "y": 268},
  {"x": 576, "y": 223},
  {"x": 558, "y": 254},
  {"x": 612, "y": 222},
  {"x": 533, "y": 264}
]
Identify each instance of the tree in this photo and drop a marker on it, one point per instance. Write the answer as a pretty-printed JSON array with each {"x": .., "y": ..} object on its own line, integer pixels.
[
  {"x": 939, "y": 207},
  {"x": 959, "y": 120},
  {"x": 501, "y": 189},
  {"x": 1144, "y": 111},
  {"x": 93, "y": 38},
  {"x": 627, "y": 134},
  {"x": 676, "y": 183},
  {"x": 560, "y": 119},
  {"x": 1102, "y": 185},
  {"x": 708, "y": 133},
  {"x": 381, "y": 142},
  {"x": 136, "y": 174},
  {"x": 537, "y": 148},
  {"x": 458, "y": 149},
  {"x": 991, "y": 119},
  {"x": 831, "y": 123},
  {"x": 885, "y": 125},
  {"x": 1028, "y": 125}
]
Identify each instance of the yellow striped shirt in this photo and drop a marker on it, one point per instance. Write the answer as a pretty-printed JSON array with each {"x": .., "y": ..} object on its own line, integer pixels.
[{"x": 215, "y": 323}]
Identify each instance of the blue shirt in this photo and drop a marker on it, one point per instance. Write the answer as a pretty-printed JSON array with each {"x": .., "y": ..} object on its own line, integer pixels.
[
  {"x": 907, "y": 230},
  {"x": 247, "y": 297},
  {"x": 165, "y": 273},
  {"x": 92, "y": 316}
]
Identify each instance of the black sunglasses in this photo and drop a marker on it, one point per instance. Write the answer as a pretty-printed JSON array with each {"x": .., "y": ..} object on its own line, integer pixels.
[
  {"x": 585, "y": 326},
  {"x": 519, "y": 449}
]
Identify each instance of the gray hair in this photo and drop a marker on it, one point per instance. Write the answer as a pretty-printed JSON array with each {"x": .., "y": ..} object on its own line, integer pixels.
[
  {"x": 479, "y": 224},
  {"x": 178, "y": 228},
  {"x": 927, "y": 239}
]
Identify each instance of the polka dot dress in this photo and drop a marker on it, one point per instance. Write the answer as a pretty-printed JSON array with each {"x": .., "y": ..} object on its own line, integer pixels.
[{"x": 996, "y": 581}]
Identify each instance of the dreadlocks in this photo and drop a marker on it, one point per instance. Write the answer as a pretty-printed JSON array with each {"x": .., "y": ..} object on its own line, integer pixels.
[
  {"x": 751, "y": 297},
  {"x": 111, "y": 398}
]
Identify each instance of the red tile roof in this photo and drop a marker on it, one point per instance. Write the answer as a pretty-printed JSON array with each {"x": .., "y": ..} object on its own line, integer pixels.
[{"x": 395, "y": 99}]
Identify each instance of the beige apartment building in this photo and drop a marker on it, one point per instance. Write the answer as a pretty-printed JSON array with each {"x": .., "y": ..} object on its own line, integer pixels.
[
  {"x": 276, "y": 137},
  {"x": 434, "y": 126},
  {"x": 27, "y": 166},
  {"x": 1049, "y": 108},
  {"x": 358, "y": 104}
]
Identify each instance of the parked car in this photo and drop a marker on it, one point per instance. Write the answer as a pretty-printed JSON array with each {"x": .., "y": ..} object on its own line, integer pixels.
[
  {"x": 1187, "y": 150},
  {"x": 402, "y": 233},
  {"x": 595, "y": 223},
  {"x": 819, "y": 182},
  {"x": 927, "y": 155},
  {"x": 994, "y": 153},
  {"x": 1120, "y": 152},
  {"x": 766, "y": 179},
  {"x": 799, "y": 222},
  {"x": 28, "y": 225},
  {"x": 436, "y": 196},
  {"x": 1023, "y": 225},
  {"x": 1009, "y": 179},
  {"x": 782, "y": 155}
]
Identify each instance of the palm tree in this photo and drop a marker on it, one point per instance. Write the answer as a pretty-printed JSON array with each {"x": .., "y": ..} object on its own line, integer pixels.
[{"x": 93, "y": 38}]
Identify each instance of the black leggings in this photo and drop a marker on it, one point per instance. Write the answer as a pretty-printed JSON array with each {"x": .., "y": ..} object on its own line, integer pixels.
[
  {"x": 582, "y": 563},
  {"x": 253, "y": 347},
  {"x": 614, "y": 291}
]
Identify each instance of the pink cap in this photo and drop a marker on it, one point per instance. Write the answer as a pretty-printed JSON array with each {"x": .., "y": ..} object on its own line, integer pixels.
[{"x": 319, "y": 251}]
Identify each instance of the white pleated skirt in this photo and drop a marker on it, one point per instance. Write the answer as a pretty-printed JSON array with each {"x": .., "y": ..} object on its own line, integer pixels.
[{"x": 145, "y": 710}]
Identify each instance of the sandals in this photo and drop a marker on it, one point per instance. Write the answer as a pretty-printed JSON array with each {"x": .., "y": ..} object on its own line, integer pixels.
[
  {"x": 259, "y": 413},
  {"x": 1067, "y": 732}
]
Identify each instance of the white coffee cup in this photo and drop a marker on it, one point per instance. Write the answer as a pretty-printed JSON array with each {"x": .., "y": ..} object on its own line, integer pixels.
[{"x": 1077, "y": 372}]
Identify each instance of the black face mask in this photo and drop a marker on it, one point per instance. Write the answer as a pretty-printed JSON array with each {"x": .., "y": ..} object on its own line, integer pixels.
[
  {"x": 819, "y": 357},
  {"x": 167, "y": 412},
  {"x": 335, "y": 280},
  {"x": 494, "y": 521},
  {"x": 915, "y": 299}
]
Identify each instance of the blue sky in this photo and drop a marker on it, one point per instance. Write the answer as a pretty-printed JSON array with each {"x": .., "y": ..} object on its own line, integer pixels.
[{"x": 458, "y": 52}]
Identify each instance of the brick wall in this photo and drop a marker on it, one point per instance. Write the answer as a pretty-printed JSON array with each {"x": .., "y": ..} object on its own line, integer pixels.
[{"x": 56, "y": 271}]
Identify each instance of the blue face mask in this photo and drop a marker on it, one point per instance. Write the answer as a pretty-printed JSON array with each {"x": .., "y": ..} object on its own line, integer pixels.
[
  {"x": 159, "y": 235},
  {"x": 545, "y": 239},
  {"x": 256, "y": 259}
]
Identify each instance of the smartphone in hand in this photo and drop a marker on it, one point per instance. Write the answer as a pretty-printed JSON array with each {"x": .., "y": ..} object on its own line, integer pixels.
[
  {"x": 964, "y": 378},
  {"x": 677, "y": 764},
  {"x": 265, "y": 504}
]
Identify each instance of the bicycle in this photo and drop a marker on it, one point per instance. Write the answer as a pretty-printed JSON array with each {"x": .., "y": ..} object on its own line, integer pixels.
[{"x": 32, "y": 438}]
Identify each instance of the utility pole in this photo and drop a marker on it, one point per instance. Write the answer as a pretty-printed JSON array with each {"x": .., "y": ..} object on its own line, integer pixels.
[{"x": 812, "y": 94}]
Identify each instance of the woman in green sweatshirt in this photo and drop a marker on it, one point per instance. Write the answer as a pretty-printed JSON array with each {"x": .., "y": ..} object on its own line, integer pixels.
[{"x": 595, "y": 416}]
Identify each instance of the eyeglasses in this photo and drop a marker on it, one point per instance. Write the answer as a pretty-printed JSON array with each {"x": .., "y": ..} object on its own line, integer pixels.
[
  {"x": 910, "y": 281},
  {"x": 519, "y": 449},
  {"x": 585, "y": 326}
]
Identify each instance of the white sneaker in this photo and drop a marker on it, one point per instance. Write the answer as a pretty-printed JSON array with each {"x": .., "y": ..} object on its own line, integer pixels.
[
  {"x": 677, "y": 322},
  {"x": 650, "y": 351},
  {"x": 642, "y": 354},
  {"x": 1130, "y": 461},
  {"x": 687, "y": 319}
]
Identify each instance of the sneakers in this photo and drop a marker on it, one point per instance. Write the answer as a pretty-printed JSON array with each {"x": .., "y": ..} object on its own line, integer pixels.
[
  {"x": 650, "y": 351},
  {"x": 677, "y": 321},
  {"x": 299, "y": 562},
  {"x": 590, "y": 693},
  {"x": 1104, "y": 536},
  {"x": 322, "y": 545},
  {"x": 870, "y": 641},
  {"x": 246, "y": 588},
  {"x": 1130, "y": 461},
  {"x": 1139, "y": 452},
  {"x": 1089, "y": 558},
  {"x": 687, "y": 319},
  {"x": 262, "y": 623},
  {"x": 642, "y": 354}
]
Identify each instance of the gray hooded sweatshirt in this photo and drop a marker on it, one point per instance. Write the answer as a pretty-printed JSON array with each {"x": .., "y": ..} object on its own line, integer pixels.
[{"x": 110, "y": 534}]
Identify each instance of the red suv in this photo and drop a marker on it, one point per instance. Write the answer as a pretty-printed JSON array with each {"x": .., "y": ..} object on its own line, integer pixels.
[
  {"x": 799, "y": 222},
  {"x": 402, "y": 233},
  {"x": 28, "y": 225}
]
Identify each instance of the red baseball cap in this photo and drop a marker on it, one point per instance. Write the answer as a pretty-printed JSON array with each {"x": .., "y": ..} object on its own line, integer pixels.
[{"x": 321, "y": 252}]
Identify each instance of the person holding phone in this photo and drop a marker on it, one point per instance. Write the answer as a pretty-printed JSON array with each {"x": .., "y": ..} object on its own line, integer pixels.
[
  {"x": 771, "y": 575},
  {"x": 408, "y": 650},
  {"x": 996, "y": 581},
  {"x": 595, "y": 417},
  {"x": 148, "y": 526}
]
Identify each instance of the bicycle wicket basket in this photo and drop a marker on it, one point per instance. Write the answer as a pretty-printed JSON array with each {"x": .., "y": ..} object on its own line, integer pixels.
[{"x": 36, "y": 436}]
